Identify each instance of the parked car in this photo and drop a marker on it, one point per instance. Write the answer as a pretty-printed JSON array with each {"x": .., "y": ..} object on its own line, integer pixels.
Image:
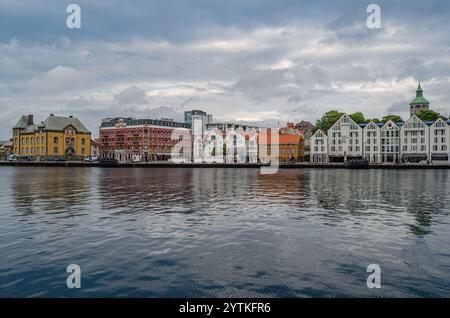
[{"x": 12, "y": 158}]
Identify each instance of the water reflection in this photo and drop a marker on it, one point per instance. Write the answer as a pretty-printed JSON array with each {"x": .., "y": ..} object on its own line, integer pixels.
[{"x": 224, "y": 232}]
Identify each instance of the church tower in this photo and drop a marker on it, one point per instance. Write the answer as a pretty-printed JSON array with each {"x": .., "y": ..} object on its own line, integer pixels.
[{"x": 419, "y": 102}]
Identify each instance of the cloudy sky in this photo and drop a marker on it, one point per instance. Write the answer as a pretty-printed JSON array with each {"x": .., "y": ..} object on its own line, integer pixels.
[{"x": 246, "y": 60}]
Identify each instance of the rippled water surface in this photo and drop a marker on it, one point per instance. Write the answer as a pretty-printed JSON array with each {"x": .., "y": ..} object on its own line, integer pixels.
[{"x": 224, "y": 232}]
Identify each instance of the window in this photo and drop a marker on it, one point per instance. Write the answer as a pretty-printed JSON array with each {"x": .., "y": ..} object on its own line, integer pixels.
[
  {"x": 83, "y": 141},
  {"x": 42, "y": 151},
  {"x": 55, "y": 150},
  {"x": 42, "y": 140},
  {"x": 55, "y": 140}
]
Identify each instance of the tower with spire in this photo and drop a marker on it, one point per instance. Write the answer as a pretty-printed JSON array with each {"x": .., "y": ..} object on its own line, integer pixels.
[{"x": 419, "y": 102}]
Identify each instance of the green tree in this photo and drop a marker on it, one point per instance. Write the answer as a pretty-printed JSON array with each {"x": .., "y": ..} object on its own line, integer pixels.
[
  {"x": 375, "y": 120},
  {"x": 429, "y": 115},
  {"x": 327, "y": 120},
  {"x": 394, "y": 118},
  {"x": 213, "y": 152},
  {"x": 358, "y": 118},
  {"x": 224, "y": 149}
]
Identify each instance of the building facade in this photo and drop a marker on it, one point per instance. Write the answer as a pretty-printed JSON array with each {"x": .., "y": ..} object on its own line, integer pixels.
[
  {"x": 345, "y": 140},
  {"x": 136, "y": 140},
  {"x": 240, "y": 142},
  {"x": 411, "y": 142},
  {"x": 198, "y": 120},
  {"x": 56, "y": 138}
]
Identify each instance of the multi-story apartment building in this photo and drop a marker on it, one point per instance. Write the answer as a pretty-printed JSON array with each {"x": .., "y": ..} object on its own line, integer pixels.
[
  {"x": 130, "y": 139},
  {"x": 240, "y": 142},
  {"x": 319, "y": 147},
  {"x": 390, "y": 142},
  {"x": 56, "y": 138},
  {"x": 198, "y": 120},
  {"x": 439, "y": 141},
  {"x": 345, "y": 140},
  {"x": 372, "y": 142},
  {"x": 412, "y": 141}
]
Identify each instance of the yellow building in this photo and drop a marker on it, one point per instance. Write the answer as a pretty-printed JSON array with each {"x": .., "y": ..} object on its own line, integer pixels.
[{"x": 56, "y": 138}]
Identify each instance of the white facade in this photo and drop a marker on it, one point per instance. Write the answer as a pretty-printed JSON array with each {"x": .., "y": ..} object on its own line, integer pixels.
[
  {"x": 240, "y": 142},
  {"x": 390, "y": 142},
  {"x": 372, "y": 143},
  {"x": 414, "y": 138},
  {"x": 439, "y": 141},
  {"x": 345, "y": 139},
  {"x": 319, "y": 147},
  {"x": 414, "y": 141}
]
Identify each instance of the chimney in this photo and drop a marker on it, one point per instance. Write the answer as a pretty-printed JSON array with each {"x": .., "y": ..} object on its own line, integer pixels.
[{"x": 30, "y": 120}]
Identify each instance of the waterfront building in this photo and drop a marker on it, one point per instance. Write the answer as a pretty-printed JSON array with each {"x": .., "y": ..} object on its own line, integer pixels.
[
  {"x": 240, "y": 142},
  {"x": 5, "y": 149},
  {"x": 56, "y": 138},
  {"x": 291, "y": 144},
  {"x": 372, "y": 142},
  {"x": 319, "y": 147},
  {"x": 390, "y": 142},
  {"x": 410, "y": 142},
  {"x": 439, "y": 141},
  {"x": 345, "y": 140},
  {"x": 419, "y": 102},
  {"x": 136, "y": 140},
  {"x": 198, "y": 120},
  {"x": 414, "y": 136}
]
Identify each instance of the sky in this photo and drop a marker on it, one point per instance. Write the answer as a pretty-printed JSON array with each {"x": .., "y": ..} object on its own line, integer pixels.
[{"x": 265, "y": 62}]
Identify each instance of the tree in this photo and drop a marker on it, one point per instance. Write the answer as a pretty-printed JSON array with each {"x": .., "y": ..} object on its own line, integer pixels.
[
  {"x": 328, "y": 120},
  {"x": 429, "y": 115},
  {"x": 358, "y": 118},
  {"x": 213, "y": 152},
  {"x": 394, "y": 118},
  {"x": 375, "y": 120}
]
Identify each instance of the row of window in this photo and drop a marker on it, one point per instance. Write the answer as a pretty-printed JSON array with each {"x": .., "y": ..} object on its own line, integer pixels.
[
  {"x": 41, "y": 140},
  {"x": 41, "y": 151}
]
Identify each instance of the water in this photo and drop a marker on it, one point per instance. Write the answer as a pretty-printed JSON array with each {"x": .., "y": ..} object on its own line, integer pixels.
[{"x": 223, "y": 232}]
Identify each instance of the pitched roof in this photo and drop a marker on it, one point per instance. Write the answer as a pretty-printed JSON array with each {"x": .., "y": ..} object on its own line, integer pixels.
[
  {"x": 22, "y": 123},
  {"x": 58, "y": 123}
]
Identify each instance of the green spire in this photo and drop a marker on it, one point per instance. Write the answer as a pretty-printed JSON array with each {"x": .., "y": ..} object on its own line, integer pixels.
[
  {"x": 419, "y": 100},
  {"x": 419, "y": 91}
]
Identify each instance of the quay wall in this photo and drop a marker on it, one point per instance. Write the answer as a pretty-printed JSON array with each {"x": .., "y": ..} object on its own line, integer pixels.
[{"x": 216, "y": 165}]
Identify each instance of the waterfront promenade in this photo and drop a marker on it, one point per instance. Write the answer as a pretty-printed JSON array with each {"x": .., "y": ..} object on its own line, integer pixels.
[{"x": 165, "y": 164}]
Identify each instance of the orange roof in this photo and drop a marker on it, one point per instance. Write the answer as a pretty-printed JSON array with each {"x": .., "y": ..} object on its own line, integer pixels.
[{"x": 283, "y": 138}]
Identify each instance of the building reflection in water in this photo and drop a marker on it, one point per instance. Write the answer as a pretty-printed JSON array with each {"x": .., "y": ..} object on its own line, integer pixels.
[{"x": 51, "y": 190}]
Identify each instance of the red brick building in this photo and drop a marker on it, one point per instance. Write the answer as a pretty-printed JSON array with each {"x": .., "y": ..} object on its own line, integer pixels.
[{"x": 143, "y": 140}]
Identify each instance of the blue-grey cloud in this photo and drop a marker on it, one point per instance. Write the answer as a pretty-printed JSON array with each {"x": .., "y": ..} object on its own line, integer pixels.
[{"x": 267, "y": 61}]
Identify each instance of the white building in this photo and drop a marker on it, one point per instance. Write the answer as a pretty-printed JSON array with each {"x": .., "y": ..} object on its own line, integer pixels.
[
  {"x": 439, "y": 141},
  {"x": 390, "y": 142},
  {"x": 240, "y": 142},
  {"x": 319, "y": 147},
  {"x": 198, "y": 120},
  {"x": 345, "y": 140},
  {"x": 414, "y": 138},
  {"x": 372, "y": 143},
  {"x": 411, "y": 142}
]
